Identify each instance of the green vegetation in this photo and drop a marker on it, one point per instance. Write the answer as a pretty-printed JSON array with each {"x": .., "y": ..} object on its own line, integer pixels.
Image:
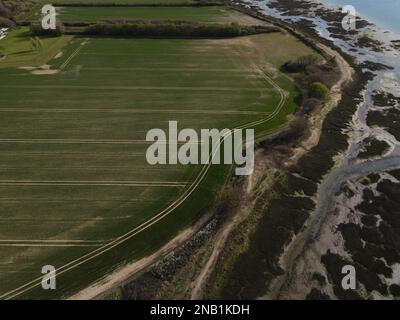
[
  {"x": 314, "y": 78},
  {"x": 37, "y": 30},
  {"x": 172, "y": 29},
  {"x": 319, "y": 90},
  {"x": 19, "y": 52},
  {"x": 301, "y": 64},
  {"x": 10, "y": 10},
  {"x": 200, "y": 14},
  {"x": 118, "y": 2},
  {"x": 75, "y": 111}
]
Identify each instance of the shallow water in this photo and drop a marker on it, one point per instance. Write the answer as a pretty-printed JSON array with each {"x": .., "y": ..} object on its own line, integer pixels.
[
  {"x": 385, "y": 13},
  {"x": 386, "y": 80}
]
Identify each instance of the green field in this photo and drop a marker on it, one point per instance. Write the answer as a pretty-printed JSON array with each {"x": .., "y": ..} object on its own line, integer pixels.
[
  {"x": 196, "y": 14},
  {"x": 17, "y": 47},
  {"x": 75, "y": 188},
  {"x": 202, "y": 14},
  {"x": 121, "y": 2}
]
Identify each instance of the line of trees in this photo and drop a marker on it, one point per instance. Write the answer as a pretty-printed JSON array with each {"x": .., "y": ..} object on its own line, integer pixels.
[
  {"x": 5, "y": 16},
  {"x": 152, "y": 28},
  {"x": 10, "y": 10},
  {"x": 172, "y": 29},
  {"x": 37, "y": 29},
  {"x": 314, "y": 79}
]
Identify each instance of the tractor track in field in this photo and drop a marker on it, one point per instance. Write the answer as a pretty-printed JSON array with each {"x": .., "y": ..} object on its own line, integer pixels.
[
  {"x": 92, "y": 183},
  {"x": 145, "y": 111},
  {"x": 189, "y": 191}
]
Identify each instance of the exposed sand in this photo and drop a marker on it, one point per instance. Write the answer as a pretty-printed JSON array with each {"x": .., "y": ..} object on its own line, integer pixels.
[
  {"x": 45, "y": 72},
  {"x": 59, "y": 55},
  {"x": 42, "y": 70}
]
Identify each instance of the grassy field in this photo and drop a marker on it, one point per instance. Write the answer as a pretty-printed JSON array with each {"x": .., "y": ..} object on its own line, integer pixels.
[
  {"x": 202, "y": 14},
  {"x": 197, "y": 14},
  {"x": 75, "y": 188},
  {"x": 18, "y": 48},
  {"x": 120, "y": 2}
]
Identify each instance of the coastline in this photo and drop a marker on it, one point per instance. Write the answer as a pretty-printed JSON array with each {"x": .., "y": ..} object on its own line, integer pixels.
[
  {"x": 379, "y": 22},
  {"x": 273, "y": 268},
  {"x": 306, "y": 264}
]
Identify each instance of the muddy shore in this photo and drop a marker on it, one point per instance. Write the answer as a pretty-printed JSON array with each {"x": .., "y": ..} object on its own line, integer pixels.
[{"x": 348, "y": 225}]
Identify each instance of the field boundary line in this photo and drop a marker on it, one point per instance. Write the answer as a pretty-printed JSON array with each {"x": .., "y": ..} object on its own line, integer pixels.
[
  {"x": 169, "y": 69},
  {"x": 48, "y": 245},
  {"x": 86, "y": 141},
  {"x": 51, "y": 241},
  {"x": 158, "y": 88},
  {"x": 146, "y": 111},
  {"x": 92, "y": 183}
]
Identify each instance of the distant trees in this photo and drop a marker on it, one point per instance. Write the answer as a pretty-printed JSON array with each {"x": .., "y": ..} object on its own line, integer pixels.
[
  {"x": 5, "y": 16},
  {"x": 153, "y": 28},
  {"x": 11, "y": 9},
  {"x": 37, "y": 29},
  {"x": 313, "y": 78},
  {"x": 4, "y": 11},
  {"x": 7, "y": 23},
  {"x": 301, "y": 63},
  {"x": 168, "y": 28},
  {"x": 172, "y": 28}
]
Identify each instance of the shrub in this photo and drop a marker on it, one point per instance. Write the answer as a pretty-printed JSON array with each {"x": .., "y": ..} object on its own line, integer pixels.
[
  {"x": 7, "y": 23},
  {"x": 319, "y": 90},
  {"x": 309, "y": 105},
  {"x": 11, "y": 9},
  {"x": 4, "y": 11},
  {"x": 300, "y": 64}
]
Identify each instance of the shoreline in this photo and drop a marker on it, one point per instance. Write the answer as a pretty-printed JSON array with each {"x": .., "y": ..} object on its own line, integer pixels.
[
  {"x": 374, "y": 20},
  {"x": 308, "y": 143},
  {"x": 351, "y": 94},
  {"x": 290, "y": 271}
]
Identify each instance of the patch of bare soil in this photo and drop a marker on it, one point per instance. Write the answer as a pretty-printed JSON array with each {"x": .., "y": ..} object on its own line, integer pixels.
[
  {"x": 245, "y": 205},
  {"x": 59, "y": 55},
  {"x": 121, "y": 276},
  {"x": 42, "y": 70}
]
